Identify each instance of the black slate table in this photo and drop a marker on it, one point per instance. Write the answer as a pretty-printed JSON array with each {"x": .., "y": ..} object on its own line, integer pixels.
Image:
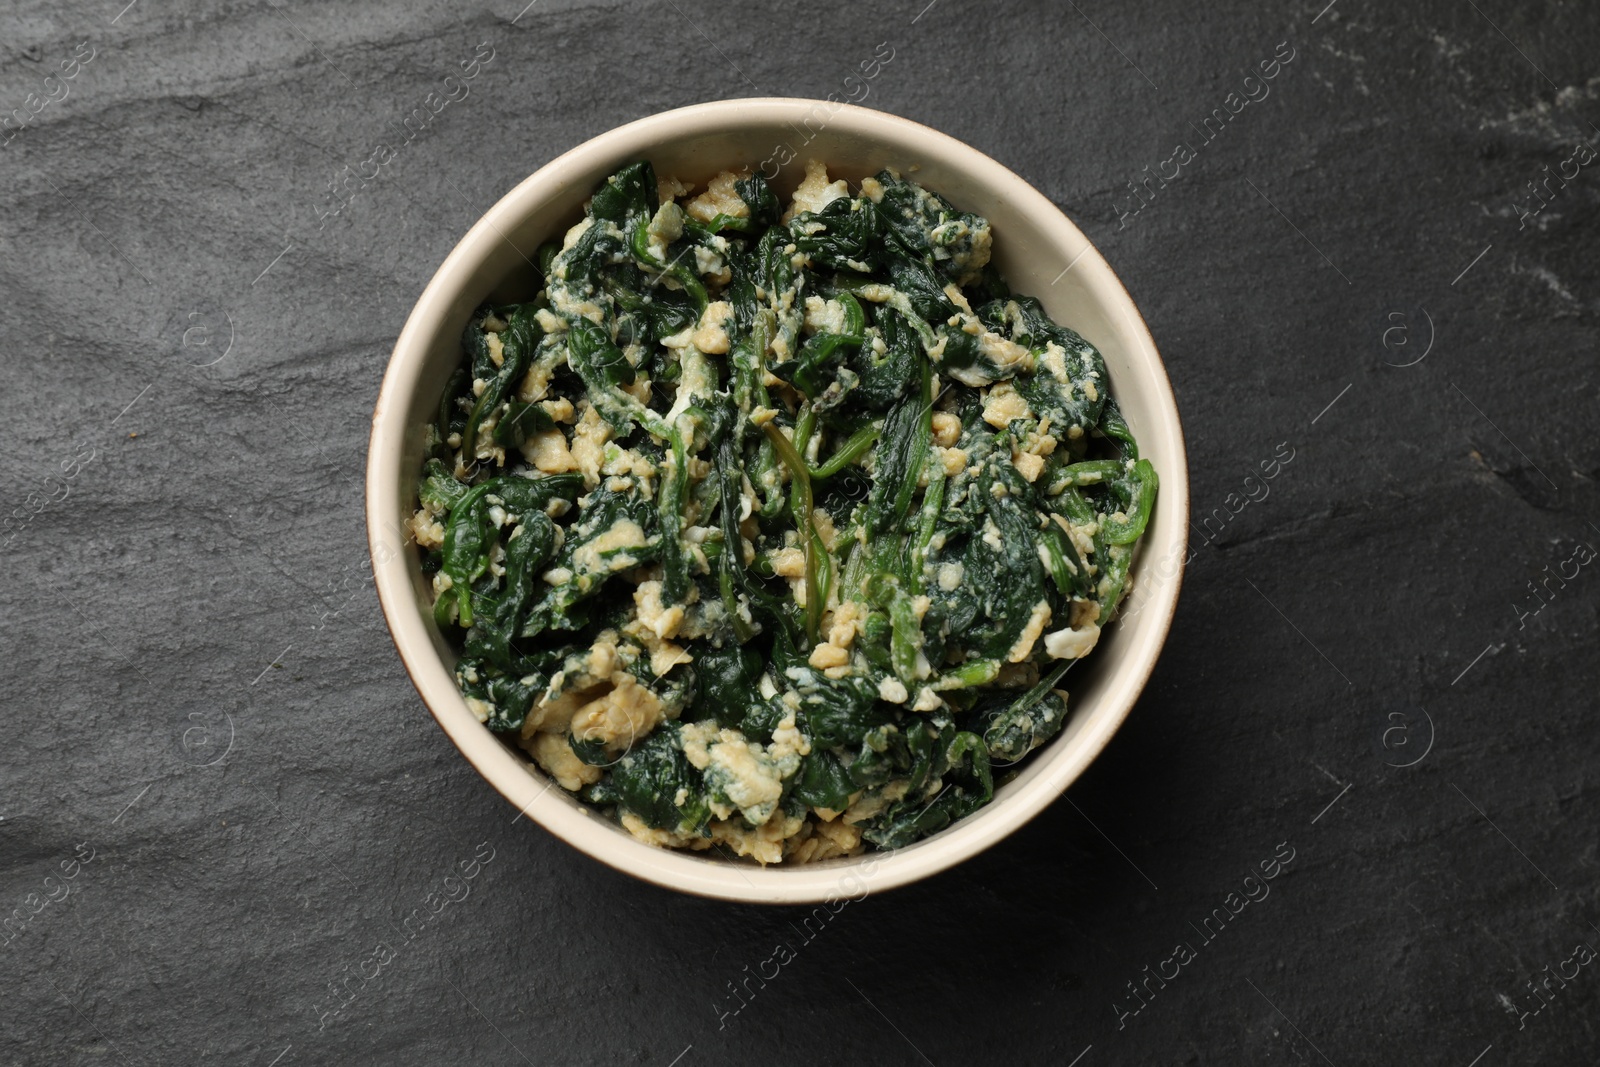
[{"x": 223, "y": 802}]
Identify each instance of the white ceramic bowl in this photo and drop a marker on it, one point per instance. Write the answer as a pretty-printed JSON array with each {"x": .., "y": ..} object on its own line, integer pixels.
[{"x": 1039, "y": 253}]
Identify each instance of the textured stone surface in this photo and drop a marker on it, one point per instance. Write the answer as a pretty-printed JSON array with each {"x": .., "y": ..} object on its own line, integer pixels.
[{"x": 204, "y": 699}]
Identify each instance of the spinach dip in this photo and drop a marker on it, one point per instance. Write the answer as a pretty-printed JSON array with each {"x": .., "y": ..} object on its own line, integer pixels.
[{"x": 773, "y": 529}]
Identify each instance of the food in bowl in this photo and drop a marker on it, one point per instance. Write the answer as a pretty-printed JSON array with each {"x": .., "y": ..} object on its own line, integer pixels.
[{"x": 776, "y": 528}]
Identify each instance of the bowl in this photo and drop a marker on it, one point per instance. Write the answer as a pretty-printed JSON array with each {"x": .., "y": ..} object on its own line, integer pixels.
[{"x": 1039, "y": 252}]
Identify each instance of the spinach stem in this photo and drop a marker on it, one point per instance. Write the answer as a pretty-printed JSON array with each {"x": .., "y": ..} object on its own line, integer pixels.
[
  {"x": 847, "y": 453},
  {"x": 806, "y": 523}
]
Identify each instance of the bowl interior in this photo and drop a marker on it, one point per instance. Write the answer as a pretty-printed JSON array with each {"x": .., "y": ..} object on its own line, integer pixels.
[{"x": 1039, "y": 253}]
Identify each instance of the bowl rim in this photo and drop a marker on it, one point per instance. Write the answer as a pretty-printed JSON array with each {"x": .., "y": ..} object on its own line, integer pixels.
[{"x": 693, "y": 873}]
